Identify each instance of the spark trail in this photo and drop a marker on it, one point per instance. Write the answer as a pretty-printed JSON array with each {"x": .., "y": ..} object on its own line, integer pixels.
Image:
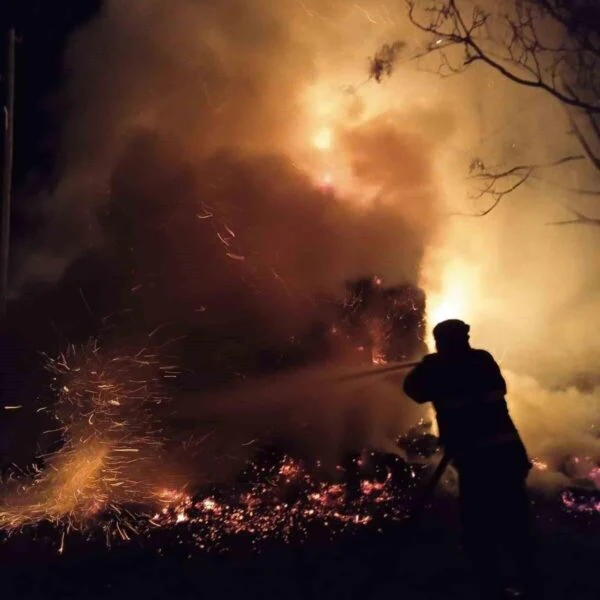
[{"x": 110, "y": 447}]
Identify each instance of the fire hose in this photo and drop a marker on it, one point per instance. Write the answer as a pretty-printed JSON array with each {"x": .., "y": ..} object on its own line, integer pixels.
[
  {"x": 378, "y": 371},
  {"x": 423, "y": 500}
]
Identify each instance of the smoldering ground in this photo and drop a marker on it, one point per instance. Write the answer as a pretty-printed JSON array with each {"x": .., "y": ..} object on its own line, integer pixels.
[{"x": 560, "y": 427}]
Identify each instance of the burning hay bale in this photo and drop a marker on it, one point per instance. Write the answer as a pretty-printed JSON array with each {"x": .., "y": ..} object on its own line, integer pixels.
[{"x": 385, "y": 324}]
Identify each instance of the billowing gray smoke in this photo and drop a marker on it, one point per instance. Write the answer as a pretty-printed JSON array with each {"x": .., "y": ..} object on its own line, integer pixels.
[
  {"x": 191, "y": 130},
  {"x": 249, "y": 241},
  {"x": 233, "y": 167}
]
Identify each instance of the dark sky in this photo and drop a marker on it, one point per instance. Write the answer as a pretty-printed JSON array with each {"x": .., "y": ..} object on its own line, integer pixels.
[{"x": 43, "y": 28}]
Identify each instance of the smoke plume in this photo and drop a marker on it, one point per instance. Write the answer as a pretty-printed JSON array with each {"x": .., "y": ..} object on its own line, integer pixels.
[{"x": 244, "y": 164}]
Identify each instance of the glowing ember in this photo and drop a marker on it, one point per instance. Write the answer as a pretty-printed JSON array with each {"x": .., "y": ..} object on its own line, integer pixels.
[
  {"x": 289, "y": 470},
  {"x": 539, "y": 465},
  {"x": 580, "y": 504},
  {"x": 594, "y": 475},
  {"x": 209, "y": 504},
  {"x": 267, "y": 510}
]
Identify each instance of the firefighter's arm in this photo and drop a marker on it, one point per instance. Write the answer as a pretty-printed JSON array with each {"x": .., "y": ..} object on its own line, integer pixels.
[{"x": 417, "y": 384}]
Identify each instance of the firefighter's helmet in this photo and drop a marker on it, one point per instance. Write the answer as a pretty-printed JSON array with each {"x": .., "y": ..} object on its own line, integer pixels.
[{"x": 451, "y": 328}]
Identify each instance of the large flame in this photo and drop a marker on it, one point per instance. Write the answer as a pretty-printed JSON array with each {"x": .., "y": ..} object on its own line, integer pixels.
[
  {"x": 451, "y": 288},
  {"x": 452, "y": 294}
]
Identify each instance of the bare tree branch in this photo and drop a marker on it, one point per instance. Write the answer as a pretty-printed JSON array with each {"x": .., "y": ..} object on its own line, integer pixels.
[
  {"x": 499, "y": 184},
  {"x": 580, "y": 219},
  {"x": 568, "y": 189},
  {"x": 448, "y": 25},
  {"x": 595, "y": 160},
  {"x": 515, "y": 42}
]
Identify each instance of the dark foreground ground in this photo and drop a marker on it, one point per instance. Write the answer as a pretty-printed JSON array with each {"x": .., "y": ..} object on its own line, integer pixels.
[{"x": 396, "y": 562}]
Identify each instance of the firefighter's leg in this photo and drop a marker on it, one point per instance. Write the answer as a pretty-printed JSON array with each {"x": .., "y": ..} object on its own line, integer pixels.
[
  {"x": 519, "y": 537},
  {"x": 478, "y": 535}
]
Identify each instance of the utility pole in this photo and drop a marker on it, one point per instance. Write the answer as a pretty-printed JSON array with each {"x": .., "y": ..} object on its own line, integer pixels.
[{"x": 9, "y": 118}]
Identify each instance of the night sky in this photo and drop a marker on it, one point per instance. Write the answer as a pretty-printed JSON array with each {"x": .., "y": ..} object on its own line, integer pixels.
[{"x": 43, "y": 29}]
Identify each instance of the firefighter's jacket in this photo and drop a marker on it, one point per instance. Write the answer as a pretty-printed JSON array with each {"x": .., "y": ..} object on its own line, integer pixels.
[{"x": 468, "y": 392}]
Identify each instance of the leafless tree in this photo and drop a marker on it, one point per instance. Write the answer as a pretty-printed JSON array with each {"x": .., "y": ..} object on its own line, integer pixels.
[{"x": 550, "y": 45}]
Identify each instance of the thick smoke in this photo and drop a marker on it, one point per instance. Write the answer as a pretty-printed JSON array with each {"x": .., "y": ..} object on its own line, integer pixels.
[
  {"x": 229, "y": 167},
  {"x": 308, "y": 414},
  {"x": 250, "y": 167},
  {"x": 560, "y": 426},
  {"x": 198, "y": 125}
]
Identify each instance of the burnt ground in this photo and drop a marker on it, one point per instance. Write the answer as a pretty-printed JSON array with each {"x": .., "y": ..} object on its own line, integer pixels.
[{"x": 424, "y": 562}]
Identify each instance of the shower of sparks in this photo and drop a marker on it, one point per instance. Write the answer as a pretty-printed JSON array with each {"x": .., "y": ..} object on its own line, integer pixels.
[
  {"x": 109, "y": 473},
  {"x": 110, "y": 443},
  {"x": 379, "y": 330}
]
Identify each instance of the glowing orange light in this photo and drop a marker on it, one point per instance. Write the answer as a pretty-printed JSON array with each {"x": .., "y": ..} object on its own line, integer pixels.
[
  {"x": 327, "y": 180},
  {"x": 452, "y": 298},
  {"x": 323, "y": 139}
]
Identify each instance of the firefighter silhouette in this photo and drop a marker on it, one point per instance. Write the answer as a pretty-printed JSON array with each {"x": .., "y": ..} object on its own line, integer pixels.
[{"x": 467, "y": 391}]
